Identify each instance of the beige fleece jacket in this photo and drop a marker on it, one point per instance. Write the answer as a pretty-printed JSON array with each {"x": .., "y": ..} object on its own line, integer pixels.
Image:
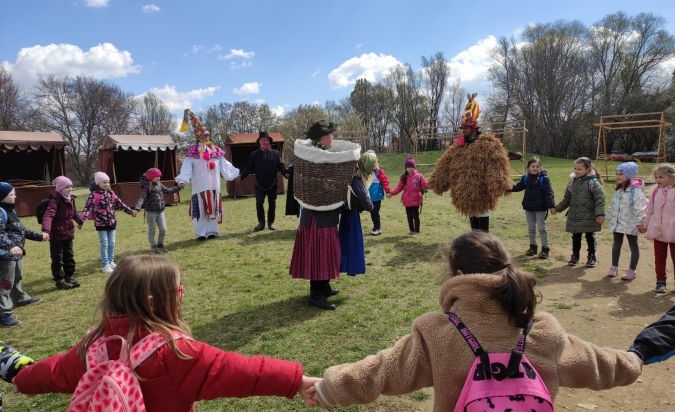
[{"x": 436, "y": 355}]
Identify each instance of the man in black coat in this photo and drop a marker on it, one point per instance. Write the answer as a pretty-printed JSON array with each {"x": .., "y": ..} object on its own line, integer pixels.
[{"x": 264, "y": 163}]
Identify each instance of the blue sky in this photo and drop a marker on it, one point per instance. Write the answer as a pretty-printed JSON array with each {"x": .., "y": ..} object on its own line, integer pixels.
[{"x": 281, "y": 52}]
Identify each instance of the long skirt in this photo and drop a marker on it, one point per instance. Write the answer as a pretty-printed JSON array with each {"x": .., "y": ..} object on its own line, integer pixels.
[
  {"x": 352, "y": 249},
  {"x": 316, "y": 253}
]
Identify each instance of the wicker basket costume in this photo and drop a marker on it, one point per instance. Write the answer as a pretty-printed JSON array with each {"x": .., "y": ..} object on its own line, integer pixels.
[{"x": 321, "y": 178}]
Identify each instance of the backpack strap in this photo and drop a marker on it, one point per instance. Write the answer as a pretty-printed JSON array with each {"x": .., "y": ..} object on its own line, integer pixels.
[
  {"x": 149, "y": 345},
  {"x": 516, "y": 353}
]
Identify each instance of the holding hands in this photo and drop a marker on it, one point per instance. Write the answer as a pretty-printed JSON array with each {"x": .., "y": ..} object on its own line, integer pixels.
[
  {"x": 45, "y": 237},
  {"x": 600, "y": 219},
  {"x": 308, "y": 393},
  {"x": 552, "y": 211}
]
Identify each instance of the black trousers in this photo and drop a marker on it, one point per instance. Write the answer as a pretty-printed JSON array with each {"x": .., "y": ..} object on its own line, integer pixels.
[
  {"x": 413, "y": 215},
  {"x": 271, "y": 195},
  {"x": 480, "y": 223},
  {"x": 590, "y": 241},
  {"x": 63, "y": 258},
  {"x": 375, "y": 214}
]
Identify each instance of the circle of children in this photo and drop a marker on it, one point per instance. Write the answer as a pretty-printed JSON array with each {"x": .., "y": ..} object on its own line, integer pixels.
[{"x": 487, "y": 328}]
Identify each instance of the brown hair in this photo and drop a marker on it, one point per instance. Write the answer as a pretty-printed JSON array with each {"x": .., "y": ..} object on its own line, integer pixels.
[
  {"x": 480, "y": 252},
  {"x": 589, "y": 165},
  {"x": 144, "y": 288},
  {"x": 533, "y": 159}
]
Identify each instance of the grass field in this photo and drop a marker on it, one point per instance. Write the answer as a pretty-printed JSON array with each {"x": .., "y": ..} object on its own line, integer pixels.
[{"x": 239, "y": 296}]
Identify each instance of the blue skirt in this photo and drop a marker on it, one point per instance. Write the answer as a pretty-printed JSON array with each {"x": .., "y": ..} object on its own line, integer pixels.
[{"x": 352, "y": 249}]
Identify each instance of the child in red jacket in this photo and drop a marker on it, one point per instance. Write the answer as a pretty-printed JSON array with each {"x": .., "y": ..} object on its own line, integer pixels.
[
  {"x": 379, "y": 187},
  {"x": 178, "y": 373},
  {"x": 413, "y": 185}
]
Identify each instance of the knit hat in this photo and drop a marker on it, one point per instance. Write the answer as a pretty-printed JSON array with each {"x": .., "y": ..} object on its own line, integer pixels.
[
  {"x": 629, "y": 169},
  {"x": 153, "y": 173},
  {"x": 410, "y": 162},
  {"x": 5, "y": 188},
  {"x": 61, "y": 182},
  {"x": 100, "y": 177}
]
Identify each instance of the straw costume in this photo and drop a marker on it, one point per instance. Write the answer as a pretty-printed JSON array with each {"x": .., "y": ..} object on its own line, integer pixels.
[
  {"x": 203, "y": 165},
  {"x": 475, "y": 169}
]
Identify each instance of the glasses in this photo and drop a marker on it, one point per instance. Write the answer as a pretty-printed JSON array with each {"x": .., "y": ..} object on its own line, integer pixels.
[{"x": 180, "y": 292}]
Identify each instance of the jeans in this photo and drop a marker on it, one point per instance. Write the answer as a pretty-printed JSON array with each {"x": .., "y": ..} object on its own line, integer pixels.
[
  {"x": 154, "y": 220},
  {"x": 63, "y": 258},
  {"x": 106, "y": 239},
  {"x": 534, "y": 220}
]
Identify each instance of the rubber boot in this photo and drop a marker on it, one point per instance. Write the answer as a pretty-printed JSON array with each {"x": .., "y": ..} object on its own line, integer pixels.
[{"x": 318, "y": 299}]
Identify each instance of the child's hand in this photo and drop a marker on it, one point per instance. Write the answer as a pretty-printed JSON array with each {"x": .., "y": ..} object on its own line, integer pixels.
[
  {"x": 79, "y": 227},
  {"x": 16, "y": 251},
  {"x": 600, "y": 219},
  {"x": 388, "y": 195},
  {"x": 45, "y": 237},
  {"x": 134, "y": 213},
  {"x": 552, "y": 211},
  {"x": 307, "y": 390}
]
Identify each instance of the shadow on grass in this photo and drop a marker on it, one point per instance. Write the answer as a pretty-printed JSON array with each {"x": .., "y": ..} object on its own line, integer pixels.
[{"x": 236, "y": 330}]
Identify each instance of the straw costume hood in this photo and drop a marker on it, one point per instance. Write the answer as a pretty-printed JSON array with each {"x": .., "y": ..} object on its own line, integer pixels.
[{"x": 476, "y": 172}]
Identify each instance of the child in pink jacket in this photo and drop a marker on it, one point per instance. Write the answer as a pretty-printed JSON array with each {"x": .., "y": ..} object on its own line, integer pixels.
[
  {"x": 413, "y": 185},
  {"x": 659, "y": 222}
]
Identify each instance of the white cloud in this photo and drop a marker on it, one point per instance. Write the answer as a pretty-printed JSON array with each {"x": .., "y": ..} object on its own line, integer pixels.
[
  {"x": 474, "y": 62},
  {"x": 235, "y": 65},
  {"x": 178, "y": 101},
  {"x": 277, "y": 111},
  {"x": 150, "y": 8},
  {"x": 96, "y": 3},
  {"x": 370, "y": 66},
  {"x": 247, "y": 88},
  {"x": 103, "y": 61},
  {"x": 358, "y": 46},
  {"x": 216, "y": 48},
  {"x": 316, "y": 72},
  {"x": 196, "y": 48},
  {"x": 237, "y": 53}
]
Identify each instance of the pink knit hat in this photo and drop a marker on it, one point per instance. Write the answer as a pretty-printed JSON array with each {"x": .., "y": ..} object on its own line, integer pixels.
[
  {"x": 153, "y": 173},
  {"x": 61, "y": 182},
  {"x": 100, "y": 177}
]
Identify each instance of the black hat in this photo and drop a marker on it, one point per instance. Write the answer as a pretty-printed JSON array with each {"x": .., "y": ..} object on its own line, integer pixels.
[
  {"x": 320, "y": 129},
  {"x": 264, "y": 135}
]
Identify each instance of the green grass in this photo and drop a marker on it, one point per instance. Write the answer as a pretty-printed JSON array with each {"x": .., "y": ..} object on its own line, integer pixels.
[{"x": 239, "y": 296}]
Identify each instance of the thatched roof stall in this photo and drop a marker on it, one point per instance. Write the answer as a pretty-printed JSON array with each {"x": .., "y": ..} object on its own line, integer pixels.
[
  {"x": 30, "y": 161},
  {"x": 126, "y": 157}
]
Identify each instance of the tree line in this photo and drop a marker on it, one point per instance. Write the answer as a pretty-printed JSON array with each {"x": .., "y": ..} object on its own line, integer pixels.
[{"x": 558, "y": 78}]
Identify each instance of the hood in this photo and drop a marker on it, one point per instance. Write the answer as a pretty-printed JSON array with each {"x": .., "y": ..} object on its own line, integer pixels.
[{"x": 638, "y": 183}]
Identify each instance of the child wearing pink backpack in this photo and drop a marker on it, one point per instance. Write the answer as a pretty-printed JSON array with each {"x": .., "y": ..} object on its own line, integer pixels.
[
  {"x": 141, "y": 307},
  {"x": 495, "y": 303}
]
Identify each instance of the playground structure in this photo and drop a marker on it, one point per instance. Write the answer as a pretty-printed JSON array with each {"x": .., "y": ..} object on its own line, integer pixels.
[
  {"x": 655, "y": 120},
  {"x": 446, "y": 135},
  {"x": 355, "y": 136}
]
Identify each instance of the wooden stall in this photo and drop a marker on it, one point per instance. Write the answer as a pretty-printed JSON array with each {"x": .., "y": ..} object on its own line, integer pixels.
[
  {"x": 126, "y": 157},
  {"x": 238, "y": 148},
  {"x": 29, "y": 161}
]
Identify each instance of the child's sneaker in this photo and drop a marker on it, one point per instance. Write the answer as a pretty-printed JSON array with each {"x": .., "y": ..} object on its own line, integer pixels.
[
  {"x": 660, "y": 287},
  {"x": 613, "y": 271},
  {"x": 629, "y": 274},
  {"x": 544, "y": 253},
  {"x": 415, "y": 234},
  {"x": 72, "y": 281},
  {"x": 375, "y": 232},
  {"x": 155, "y": 250},
  {"x": 162, "y": 249},
  {"x": 107, "y": 269},
  {"x": 591, "y": 262},
  {"x": 574, "y": 260},
  {"x": 411, "y": 233},
  {"x": 113, "y": 265},
  {"x": 8, "y": 321},
  {"x": 532, "y": 250}
]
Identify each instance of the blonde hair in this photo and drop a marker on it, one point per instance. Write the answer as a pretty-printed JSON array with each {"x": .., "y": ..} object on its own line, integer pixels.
[
  {"x": 665, "y": 169},
  {"x": 144, "y": 288},
  {"x": 480, "y": 252},
  {"x": 589, "y": 165}
]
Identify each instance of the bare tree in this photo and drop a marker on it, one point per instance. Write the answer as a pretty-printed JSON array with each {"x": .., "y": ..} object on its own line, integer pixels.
[
  {"x": 13, "y": 104},
  {"x": 454, "y": 106},
  {"x": 84, "y": 111},
  {"x": 435, "y": 72},
  {"x": 152, "y": 117},
  {"x": 409, "y": 107},
  {"x": 294, "y": 124}
]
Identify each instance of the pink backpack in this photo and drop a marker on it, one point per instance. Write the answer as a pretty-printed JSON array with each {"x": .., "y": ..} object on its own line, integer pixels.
[
  {"x": 110, "y": 385},
  {"x": 501, "y": 381}
]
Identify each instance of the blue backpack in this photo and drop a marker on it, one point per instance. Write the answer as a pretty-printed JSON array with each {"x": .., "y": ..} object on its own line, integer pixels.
[{"x": 541, "y": 179}]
